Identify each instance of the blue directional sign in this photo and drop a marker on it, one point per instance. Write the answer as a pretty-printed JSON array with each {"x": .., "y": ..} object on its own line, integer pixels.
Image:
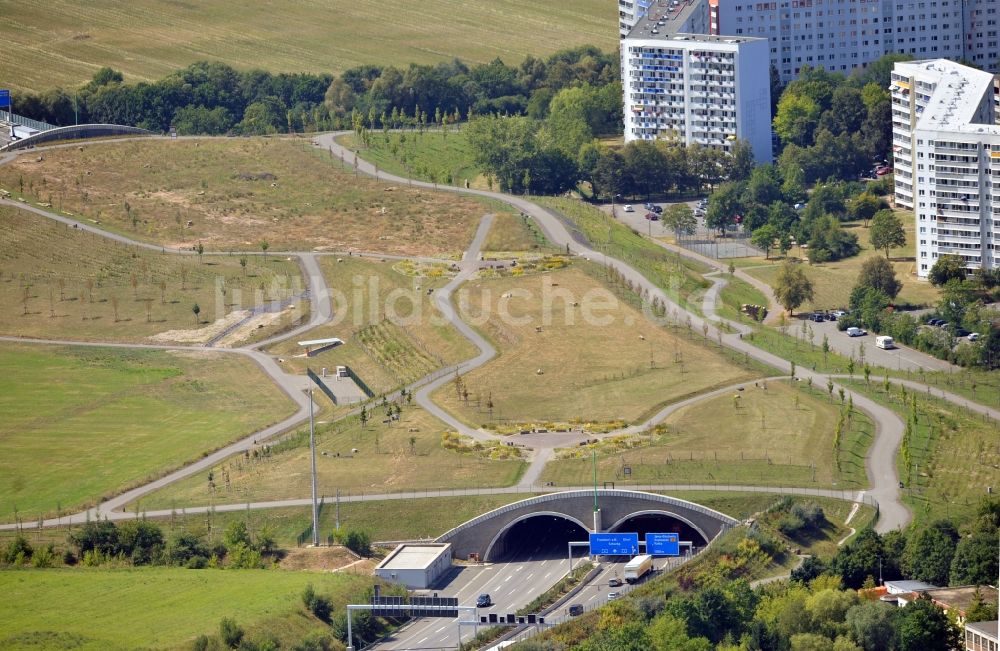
[
  {"x": 614, "y": 544},
  {"x": 4, "y": 99},
  {"x": 663, "y": 544}
]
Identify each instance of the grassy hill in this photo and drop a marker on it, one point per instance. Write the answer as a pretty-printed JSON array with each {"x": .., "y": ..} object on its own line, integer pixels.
[
  {"x": 63, "y": 42},
  {"x": 157, "y": 608}
]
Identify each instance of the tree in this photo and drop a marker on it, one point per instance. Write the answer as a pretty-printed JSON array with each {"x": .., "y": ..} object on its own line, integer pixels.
[
  {"x": 723, "y": 206},
  {"x": 358, "y": 542},
  {"x": 887, "y": 231},
  {"x": 796, "y": 118},
  {"x": 947, "y": 267},
  {"x": 243, "y": 264},
  {"x": 680, "y": 219},
  {"x": 929, "y": 553},
  {"x": 792, "y": 287},
  {"x": 864, "y": 206},
  {"x": 197, "y": 311},
  {"x": 764, "y": 237},
  {"x": 741, "y": 161},
  {"x": 237, "y": 534},
  {"x": 975, "y": 560},
  {"x": 922, "y": 626},
  {"x": 876, "y": 273},
  {"x": 871, "y": 625},
  {"x": 264, "y": 246}
]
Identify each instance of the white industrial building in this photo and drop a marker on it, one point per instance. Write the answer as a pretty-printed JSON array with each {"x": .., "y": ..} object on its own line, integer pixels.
[
  {"x": 700, "y": 89},
  {"x": 946, "y": 152},
  {"x": 416, "y": 566},
  {"x": 841, "y": 35}
]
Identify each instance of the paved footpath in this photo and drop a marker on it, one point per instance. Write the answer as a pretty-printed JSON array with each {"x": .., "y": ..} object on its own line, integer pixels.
[{"x": 880, "y": 463}]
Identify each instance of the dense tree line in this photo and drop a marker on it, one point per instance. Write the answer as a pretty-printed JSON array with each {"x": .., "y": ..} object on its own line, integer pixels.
[{"x": 213, "y": 98}]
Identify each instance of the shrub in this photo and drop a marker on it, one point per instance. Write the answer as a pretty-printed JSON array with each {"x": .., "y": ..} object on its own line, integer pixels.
[
  {"x": 17, "y": 551},
  {"x": 230, "y": 632}
]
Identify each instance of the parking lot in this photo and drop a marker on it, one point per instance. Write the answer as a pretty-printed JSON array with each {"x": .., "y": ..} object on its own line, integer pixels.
[
  {"x": 704, "y": 240},
  {"x": 900, "y": 358}
]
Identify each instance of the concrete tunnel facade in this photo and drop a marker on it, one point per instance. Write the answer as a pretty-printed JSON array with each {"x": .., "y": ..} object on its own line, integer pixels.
[{"x": 479, "y": 536}]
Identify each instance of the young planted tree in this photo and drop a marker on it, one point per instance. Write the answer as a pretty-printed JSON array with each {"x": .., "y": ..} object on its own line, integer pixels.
[
  {"x": 199, "y": 249},
  {"x": 243, "y": 264},
  {"x": 264, "y": 246},
  {"x": 197, "y": 311}
]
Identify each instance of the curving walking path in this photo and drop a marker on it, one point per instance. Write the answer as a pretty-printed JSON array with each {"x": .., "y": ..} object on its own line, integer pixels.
[{"x": 880, "y": 463}]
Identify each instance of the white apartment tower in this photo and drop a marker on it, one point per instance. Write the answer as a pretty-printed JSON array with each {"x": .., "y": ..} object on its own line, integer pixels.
[
  {"x": 946, "y": 149},
  {"x": 701, "y": 89},
  {"x": 842, "y": 35}
]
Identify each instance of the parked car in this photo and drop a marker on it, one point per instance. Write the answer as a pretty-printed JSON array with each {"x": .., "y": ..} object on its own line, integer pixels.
[
  {"x": 629, "y": 208},
  {"x": 484, "y": 601},
  {"x": 840, "y": 313},
  {"x": 855, "y": 332},
  {"x": 934, "y": 322},
  {"x": 657, "y": 209},
  {"x": 973, "y": 336},
  {"x": 652, "y": 216},
  {"x": 817, "y": 318},
  {"x": 882, "y": 171},
  {"x": 961, "y": 332},
  {"x": 648, "y": 206},
  {"x": 830, "y": 316}
]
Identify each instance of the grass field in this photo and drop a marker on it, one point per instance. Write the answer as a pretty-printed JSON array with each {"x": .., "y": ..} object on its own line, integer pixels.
[
  {"x": 392, "y": 332},
  {"x": 72, "y": 281},
  {"x": 237, "y": 193},
  {"x": 158, "y": 608},
  {"x": 954, "y": 456},
  {"x": 735, "y": 294},
  {"x": 406, "y": 455},
  {"x": 541, "y": 322},
  {"x": 774, "y": 437},
  {"x": 82, "y": 423},
  {"x": 515, "y": 237},
  {"x": 681, "y": 278},
  {"x": 833, "y": 281},
  {"x": 63, "y": 43},
  {"x": 438, "y": 157}
]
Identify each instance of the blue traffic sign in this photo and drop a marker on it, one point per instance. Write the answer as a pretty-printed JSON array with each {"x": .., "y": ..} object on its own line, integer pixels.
[
  {"x": 4, "y": 99},
  {"x": 663, "y": 544},
  {"x": 614, "y": 544}
]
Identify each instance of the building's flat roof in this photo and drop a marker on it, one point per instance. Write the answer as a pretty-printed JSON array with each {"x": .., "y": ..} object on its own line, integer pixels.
[
  {"x": 321, "y": 342},
  {"x": 961, "y": 597},
  {"x": 414, "y": 557},
  {"x": 959, "y": 93},
  {"x": 984, "y": 628},
  {"x": 698, "y": 38},
  {"x": 909, "y": 586}
]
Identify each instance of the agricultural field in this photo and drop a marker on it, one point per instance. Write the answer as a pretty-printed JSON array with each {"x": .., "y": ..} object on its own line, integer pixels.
[
  {"x": 63, "y": 43},
  {"x": 379, "y": 457},
  {"x": 61, "y": 282},
  {"x": 437, "y": 156},
  {"x": 541, "y": 322},
  {"x": 237, "y": 194},
  {"x": 833, "y": 281},
  {"x": 392, "y": 332},
  {"x": 158, "y": 607},
  {"x": 772, "y": 435},
  {"x": 953, "y": 455},
  {"x": 85, "y": 423}
]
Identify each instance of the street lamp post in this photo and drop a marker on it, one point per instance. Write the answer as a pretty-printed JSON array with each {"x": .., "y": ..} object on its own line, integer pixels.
[{"x": 312, "y": 448}]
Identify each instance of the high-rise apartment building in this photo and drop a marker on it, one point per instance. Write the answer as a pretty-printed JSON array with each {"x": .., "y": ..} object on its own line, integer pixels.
[
  {"x": 701, "y": 89},
  {"x": 946, "y": 151},
  {"x": 842, "y": 35}
]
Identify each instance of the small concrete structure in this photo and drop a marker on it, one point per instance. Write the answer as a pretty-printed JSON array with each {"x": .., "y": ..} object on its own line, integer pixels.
[
  {"x": 320, "y": 345},
  {"x": 905, "y": 587},
  {"x": 417, "y": 566}
]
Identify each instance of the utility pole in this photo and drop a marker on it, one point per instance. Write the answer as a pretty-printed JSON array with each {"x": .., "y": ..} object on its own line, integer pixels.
[{"x": 312, "y": 447}]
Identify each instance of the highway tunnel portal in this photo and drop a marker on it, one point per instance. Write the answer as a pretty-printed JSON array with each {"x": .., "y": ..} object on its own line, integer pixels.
[{"x": 542, "y": 525}]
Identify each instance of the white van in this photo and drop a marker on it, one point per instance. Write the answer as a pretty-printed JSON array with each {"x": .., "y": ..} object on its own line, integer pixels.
[
  {"x": 855, "y": 332},
  {"x": 884, "y": 342}
]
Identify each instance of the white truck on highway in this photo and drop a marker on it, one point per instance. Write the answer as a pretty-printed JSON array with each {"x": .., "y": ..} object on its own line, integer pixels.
[{"x": 638, "y": 567}]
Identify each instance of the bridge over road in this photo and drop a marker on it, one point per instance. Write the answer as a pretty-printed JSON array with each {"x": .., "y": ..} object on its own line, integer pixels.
[{"x": 570, "y": 515}]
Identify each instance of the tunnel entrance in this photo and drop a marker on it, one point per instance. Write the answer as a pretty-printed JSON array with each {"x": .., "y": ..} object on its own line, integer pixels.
[
  {"x": 658, "y": 522},
  {"x": 541, "y": 536}
]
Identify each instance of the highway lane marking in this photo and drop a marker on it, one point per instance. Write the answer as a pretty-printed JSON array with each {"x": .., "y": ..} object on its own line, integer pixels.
[
  {"x": 423, "y": 639},
  {"x": 440, "y": 629}
]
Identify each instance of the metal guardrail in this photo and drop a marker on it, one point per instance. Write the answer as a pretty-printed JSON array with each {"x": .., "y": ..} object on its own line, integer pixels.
[{"x": 20, "y": 120}]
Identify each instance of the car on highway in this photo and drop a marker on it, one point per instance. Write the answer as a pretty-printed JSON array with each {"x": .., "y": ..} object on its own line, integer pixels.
[
  {"x": 855, "y": 332},
  {"x": 628, "y": 208},
  {"x": 575, "y": 610},
  {"x": 614, "y": 582},
  {"x": 613, "y": 595},
  {"x": 484, "y": 601}
]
